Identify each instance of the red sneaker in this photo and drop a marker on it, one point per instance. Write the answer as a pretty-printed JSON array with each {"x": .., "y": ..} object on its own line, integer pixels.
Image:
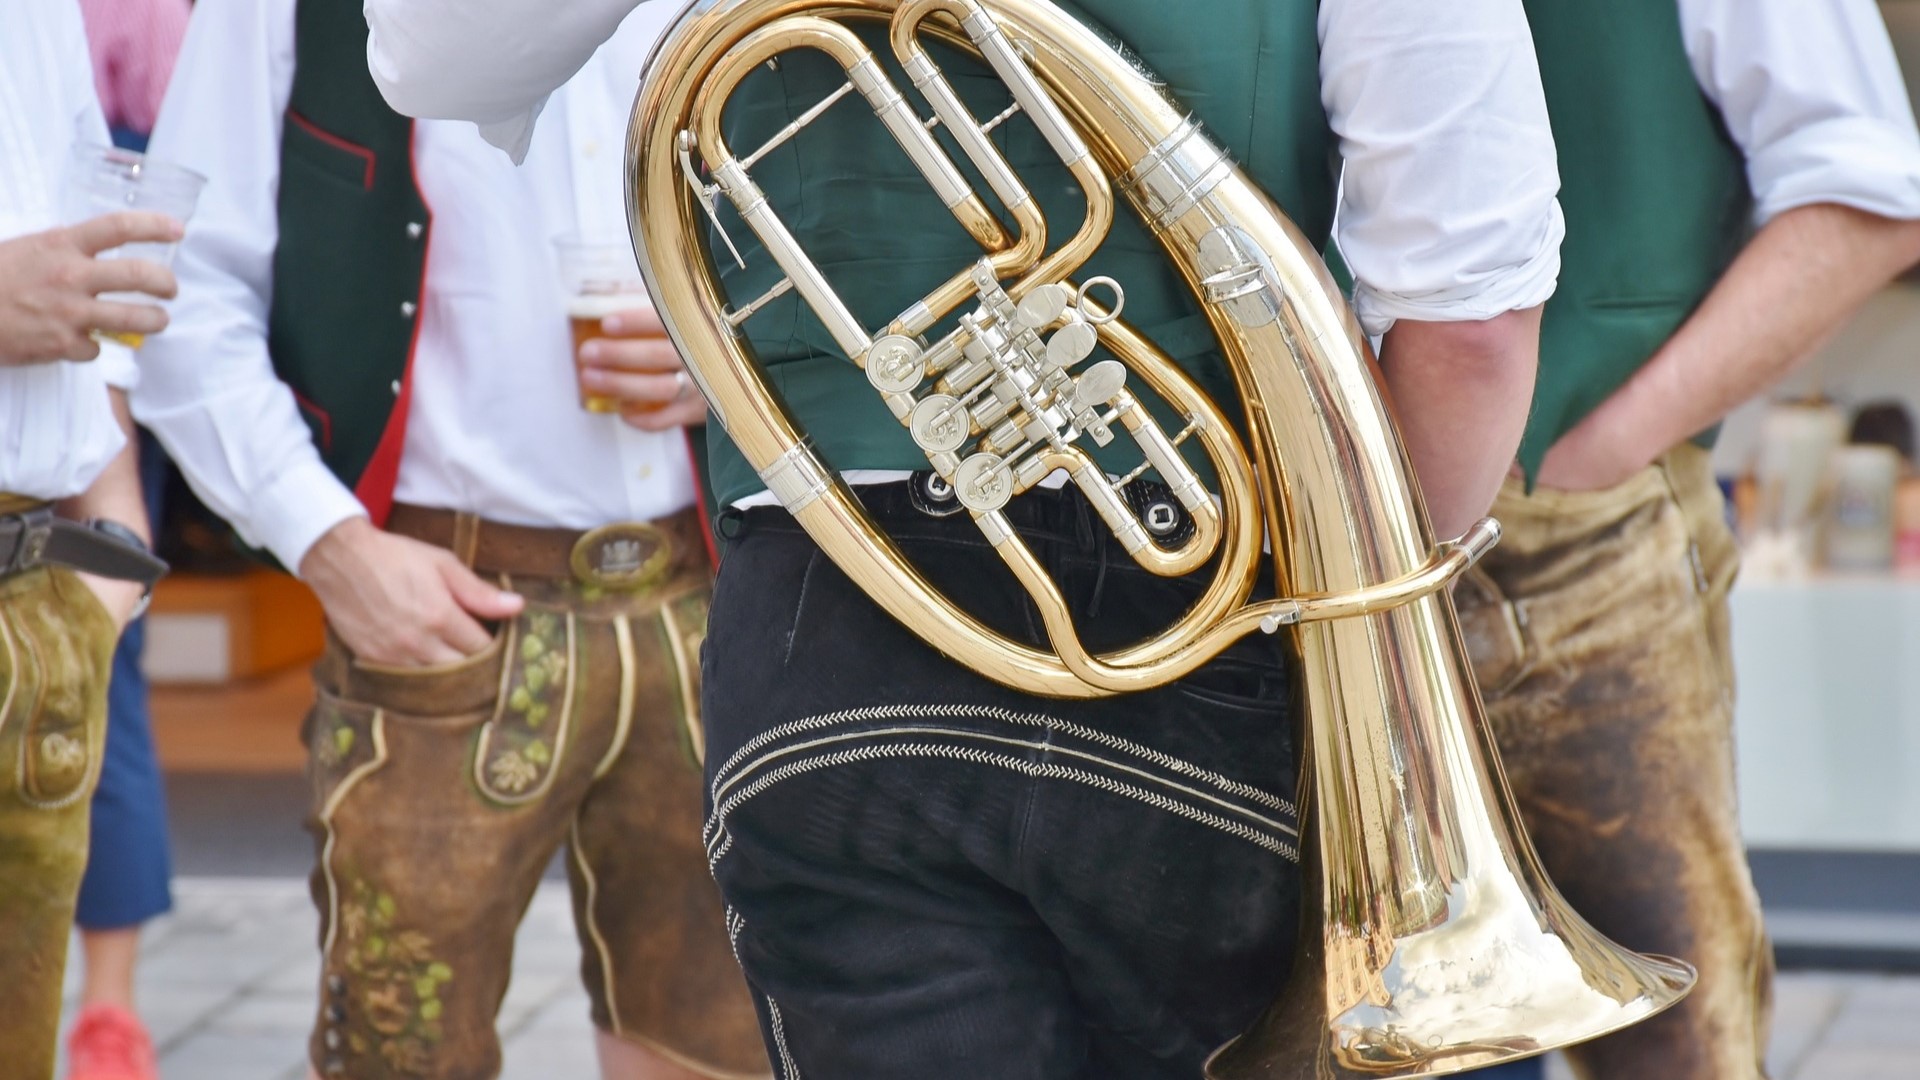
[{"x": 109, "y": 1043}]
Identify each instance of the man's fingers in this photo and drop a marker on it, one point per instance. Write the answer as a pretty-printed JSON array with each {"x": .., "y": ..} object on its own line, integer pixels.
[
  {"x": 478, "y": 598},
  {"x": 680, "y": 414},
  {"x": 76, "y": 347},
  {"x": 633, "y": 387},
  {"x": 131, "y": 275},
  {"x": 125, "y": 227},
  {"x": 111, "y": 317},
  {"x": 463, "y": 635},
  {"x": 630, "y": 354},
  {"x": 635, "y": 322}
]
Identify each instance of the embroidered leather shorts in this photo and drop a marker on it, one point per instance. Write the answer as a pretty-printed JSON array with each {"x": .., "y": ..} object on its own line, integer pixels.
[
  {"x": 1599, "y": 633},
  {"x": 931, "y": 876},
  {"x": 440, "y": 795},
  {"x": 56, "y": 652}
]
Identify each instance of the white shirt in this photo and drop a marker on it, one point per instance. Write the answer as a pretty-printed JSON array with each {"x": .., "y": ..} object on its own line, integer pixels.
[
  {"x": 1812, "y": 93},
  {"x": 495, "y": 427},
  {"x": 57, "y": 430},
  {"x": 1447, "y": 212}
]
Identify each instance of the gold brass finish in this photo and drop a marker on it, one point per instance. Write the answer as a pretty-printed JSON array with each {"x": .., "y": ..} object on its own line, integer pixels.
[{"x": 1437, "y": 944}]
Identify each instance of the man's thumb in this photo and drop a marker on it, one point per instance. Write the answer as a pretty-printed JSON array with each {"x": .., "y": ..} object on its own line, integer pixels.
[{"x": 481, "y": 600}]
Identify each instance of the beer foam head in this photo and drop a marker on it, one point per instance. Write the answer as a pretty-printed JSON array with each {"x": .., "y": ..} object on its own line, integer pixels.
[{"x": 601, "y": 305}]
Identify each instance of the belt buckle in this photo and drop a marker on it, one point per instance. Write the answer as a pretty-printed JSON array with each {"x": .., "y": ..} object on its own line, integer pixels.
[{"x": 623, "y": 557}]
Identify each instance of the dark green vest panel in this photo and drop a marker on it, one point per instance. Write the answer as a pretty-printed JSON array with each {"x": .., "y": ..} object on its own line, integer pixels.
[
  {"x": 1248, "y": 69},
  {"x": 1655, "y": 194},
  {"x": 347, "y": 261}
]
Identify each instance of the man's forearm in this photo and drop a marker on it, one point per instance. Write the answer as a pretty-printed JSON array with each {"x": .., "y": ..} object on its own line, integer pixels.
[
  {"x": 1460, "y": 392},
  {"x": 1798, "y": 280}
]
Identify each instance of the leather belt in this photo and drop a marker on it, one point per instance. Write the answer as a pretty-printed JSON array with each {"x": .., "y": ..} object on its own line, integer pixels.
[
  {"x": 31, "y": 538},
  {"x": 623, "y": 556}
]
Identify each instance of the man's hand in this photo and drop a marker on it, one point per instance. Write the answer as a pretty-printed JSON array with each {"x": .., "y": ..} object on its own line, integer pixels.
[
  {"x": 1592, "y": 458},
  {"x": 400, "y": 602},
  {"x": 50, "y": 284},
  {"x": 637, "y": 363},
  {"x": 1794, "y": 284}
]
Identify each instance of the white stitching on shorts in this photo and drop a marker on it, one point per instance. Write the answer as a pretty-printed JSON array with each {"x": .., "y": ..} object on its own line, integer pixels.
[
  {"x": 789, "y": 1070},
  {"x": 721, "y": 840},
  {"x": 1041, "y": 720},
  {"x": 963, "y": 733}
]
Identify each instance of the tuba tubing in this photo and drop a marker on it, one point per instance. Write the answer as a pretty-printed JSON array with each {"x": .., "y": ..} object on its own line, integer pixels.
[{"x": 1437, "y": 944}]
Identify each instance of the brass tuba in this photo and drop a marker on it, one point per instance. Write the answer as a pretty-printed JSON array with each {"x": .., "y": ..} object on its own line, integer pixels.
[{"x": 1437, "y": 945}]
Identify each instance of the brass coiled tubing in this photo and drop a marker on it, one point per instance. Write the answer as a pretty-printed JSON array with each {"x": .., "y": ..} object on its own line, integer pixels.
[{"x": 1435, "y": 943}]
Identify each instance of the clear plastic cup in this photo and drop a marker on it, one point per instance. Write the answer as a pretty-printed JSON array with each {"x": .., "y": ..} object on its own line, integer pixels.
[
  {"x": 599, "y": 278},
  {"x": 105, "y": 179}
]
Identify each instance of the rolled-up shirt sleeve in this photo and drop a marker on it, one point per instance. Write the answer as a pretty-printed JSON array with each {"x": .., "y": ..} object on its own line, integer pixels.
[
  {"x": 493, "y": 62},
  {"x": 207, "y": 387},
  {"x": 1812, "y": 94},
  {"x": 1447, "y": 208}
]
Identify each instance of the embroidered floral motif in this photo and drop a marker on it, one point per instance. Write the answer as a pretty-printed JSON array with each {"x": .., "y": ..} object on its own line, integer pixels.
[
  {"x": 512, "y": 773},
  {"x": 334, "y": 743},
  {"x": 520, "y": 744},
  {"x": 339, "y": 739},
  {"x": 397, "y": 979},
  {"x": 62, "y": 752}
]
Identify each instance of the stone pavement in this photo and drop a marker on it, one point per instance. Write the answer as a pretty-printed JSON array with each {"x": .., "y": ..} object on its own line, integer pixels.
[{"x": 228, "y": 984}]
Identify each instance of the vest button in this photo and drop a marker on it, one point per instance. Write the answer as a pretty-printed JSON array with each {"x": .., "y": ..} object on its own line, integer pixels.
[
  {"x": 414, "y": 229},
  {"x": 396, "y": 388},
  {"x": 407, "y": 308}
]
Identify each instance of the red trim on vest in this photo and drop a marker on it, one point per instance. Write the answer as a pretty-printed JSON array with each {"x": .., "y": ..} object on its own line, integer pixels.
[
  {"x": 382, "y": 474},
  {"x": 337, "y": 143},
  {"x": 319, "y": 414},
  {"x": 700, "y": 499}
]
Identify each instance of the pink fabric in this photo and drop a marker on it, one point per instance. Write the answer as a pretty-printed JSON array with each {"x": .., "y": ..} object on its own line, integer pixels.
[{"x": 134, "y": 44}]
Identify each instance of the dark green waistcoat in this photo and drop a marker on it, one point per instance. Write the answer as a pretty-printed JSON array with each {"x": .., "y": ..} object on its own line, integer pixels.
[
  {"x": 1655, "y": 194},
  {"x": 348, "y": 272},
  {"x": 1248, "y": 69}
]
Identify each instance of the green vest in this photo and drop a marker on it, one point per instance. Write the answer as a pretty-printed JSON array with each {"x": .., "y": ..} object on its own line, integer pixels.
[
  {"x": 351, "y": 260},
  {"x": 1248, "y": 69},
  {"x": 1655, "y": 194}
]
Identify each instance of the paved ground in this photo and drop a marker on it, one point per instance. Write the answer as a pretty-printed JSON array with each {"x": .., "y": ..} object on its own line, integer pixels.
[{"x": 228, "y": 985}]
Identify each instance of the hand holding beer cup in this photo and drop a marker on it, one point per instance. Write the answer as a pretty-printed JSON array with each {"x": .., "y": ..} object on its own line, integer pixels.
[
  {"x": 106, "y": 181},
  {"x": 57, "y": 294},
  {"x": 623, "y": 358},
  {"x": 634, "y": 364}
]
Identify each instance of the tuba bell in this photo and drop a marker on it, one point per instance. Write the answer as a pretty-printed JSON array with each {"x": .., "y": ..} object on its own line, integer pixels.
[{"x": 1437, "y": 944}]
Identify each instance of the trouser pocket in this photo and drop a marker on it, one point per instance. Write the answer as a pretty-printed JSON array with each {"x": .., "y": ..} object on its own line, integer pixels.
[{"x": 57, "y": 644}]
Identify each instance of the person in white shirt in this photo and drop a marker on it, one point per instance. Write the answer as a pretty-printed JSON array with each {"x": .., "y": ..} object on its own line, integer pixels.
[
  {"x": 370, "y": 375},
  {"x": 930, "y": 875},
  {"x": 73, "y": 530},
  {"x": 1738, "y": 177}
]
